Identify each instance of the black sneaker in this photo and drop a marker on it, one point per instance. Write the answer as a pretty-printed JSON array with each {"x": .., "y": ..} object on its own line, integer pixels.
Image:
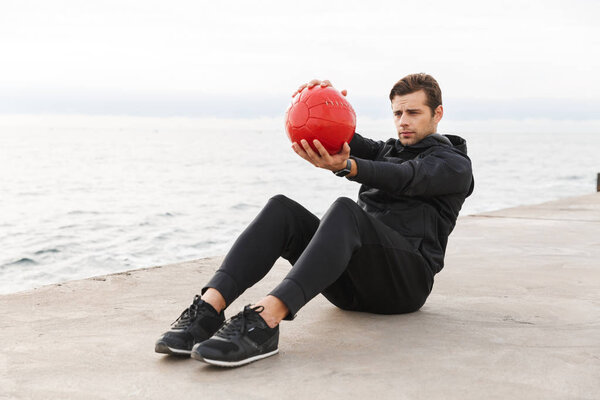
[
  {"x": 196, "y": 323},
  {"x": 246, "y": 337}
]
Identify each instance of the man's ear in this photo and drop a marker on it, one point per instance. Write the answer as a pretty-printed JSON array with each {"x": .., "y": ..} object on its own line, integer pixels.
[{"x": 439, "y": 113}]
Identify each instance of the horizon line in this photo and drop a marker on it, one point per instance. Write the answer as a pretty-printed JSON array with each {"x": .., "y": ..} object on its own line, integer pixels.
[{"x": 245, "y": 106}]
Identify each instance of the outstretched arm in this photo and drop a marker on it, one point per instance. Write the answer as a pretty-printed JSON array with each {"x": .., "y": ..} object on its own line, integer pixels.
[{"x": 439, "y": 173}]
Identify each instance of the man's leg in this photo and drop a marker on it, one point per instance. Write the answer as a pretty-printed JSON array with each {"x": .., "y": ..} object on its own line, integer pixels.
[
  {"x": 348, "y": 247},
  {"x": 282, "y": 228}
]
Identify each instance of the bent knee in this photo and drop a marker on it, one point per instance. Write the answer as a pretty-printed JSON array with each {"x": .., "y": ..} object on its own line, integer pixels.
[
  {"x": 288, "y": 206},
  {"x": 280, "y": 197},
  {"x": 345, "y": 201},
  {"x": 342, "y": 207},
  {"x": 279, "y": 202}
]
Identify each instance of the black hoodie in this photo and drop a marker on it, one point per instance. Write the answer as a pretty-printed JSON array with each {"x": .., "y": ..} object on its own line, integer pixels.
[{"x": 417, "y": 190}]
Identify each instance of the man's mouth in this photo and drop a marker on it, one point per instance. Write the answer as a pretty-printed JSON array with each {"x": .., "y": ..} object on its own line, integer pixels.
[{"x": 407, "y": 133}]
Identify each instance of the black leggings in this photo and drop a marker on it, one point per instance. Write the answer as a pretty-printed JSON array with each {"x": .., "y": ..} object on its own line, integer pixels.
[{"x": 356, "y": 261}]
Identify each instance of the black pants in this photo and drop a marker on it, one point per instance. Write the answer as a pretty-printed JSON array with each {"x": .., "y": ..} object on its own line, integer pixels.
[{"x": 356, "y": 261}]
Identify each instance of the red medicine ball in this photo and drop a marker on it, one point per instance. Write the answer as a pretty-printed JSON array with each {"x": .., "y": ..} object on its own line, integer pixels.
[{"x": 320, "y": 113}]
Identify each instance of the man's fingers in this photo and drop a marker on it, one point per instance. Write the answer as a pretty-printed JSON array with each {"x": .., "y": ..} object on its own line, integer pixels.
[
  {"x": 300, "y": 152},
  {"x": 314, "y": 158},
  {"x": 307, "y": 148},
  {"x": 321, "y": 149},
  {"x": 300, "y": 88},
  {"x": 346, "y": 149},
  {"x": 297, "y": 149},
  {"x": 314, "y": 82},
  {"x": 321, "y": 158}
]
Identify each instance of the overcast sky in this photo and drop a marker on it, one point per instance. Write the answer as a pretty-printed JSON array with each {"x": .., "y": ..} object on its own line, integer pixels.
[{"x": 242, "y": 58}]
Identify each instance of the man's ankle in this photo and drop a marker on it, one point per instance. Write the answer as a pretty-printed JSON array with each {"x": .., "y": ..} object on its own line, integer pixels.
[
  {"x": 274, "y": 310},
  {"x": 215, "y": 299}
]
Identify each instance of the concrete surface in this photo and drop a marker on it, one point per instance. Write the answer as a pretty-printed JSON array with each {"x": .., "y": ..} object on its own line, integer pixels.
[{"x": 514, "y": 314}]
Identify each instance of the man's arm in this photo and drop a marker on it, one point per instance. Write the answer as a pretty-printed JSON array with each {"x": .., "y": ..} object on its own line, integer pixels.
[
  {"x": 438, "y": 173},
  {"x": 362, "y": 147}
]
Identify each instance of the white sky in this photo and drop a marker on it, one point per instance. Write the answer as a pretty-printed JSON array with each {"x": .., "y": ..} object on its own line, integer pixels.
[{"x": 499, "y": 50}]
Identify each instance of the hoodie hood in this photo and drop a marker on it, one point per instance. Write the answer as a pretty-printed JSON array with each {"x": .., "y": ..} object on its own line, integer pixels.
[
  {"x": 460, "y": 144},
  {"x": 456, "y": 141}
]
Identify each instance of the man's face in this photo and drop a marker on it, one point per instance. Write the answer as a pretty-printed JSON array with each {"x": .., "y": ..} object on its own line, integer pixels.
[{"x": 413, "y": 117}]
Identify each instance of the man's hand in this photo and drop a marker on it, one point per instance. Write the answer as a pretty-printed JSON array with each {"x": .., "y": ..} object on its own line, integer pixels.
[
  {"x": 316, "y": 82},
  {"x": 322, "y": 159}
]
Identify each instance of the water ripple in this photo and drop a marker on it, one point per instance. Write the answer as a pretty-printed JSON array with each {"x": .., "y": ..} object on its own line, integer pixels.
[
  {"x": 39, "y": 252},
  {"x": 22, "y": 261}
]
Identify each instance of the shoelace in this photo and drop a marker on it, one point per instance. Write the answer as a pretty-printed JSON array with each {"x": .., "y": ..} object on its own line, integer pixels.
[
  {"x": 188, "y": 315},
  {"x": 237, "y": 323}
]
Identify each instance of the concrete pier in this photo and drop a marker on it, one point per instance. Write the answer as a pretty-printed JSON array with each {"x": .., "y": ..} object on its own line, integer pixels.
[{"x": 515, "y": 314}]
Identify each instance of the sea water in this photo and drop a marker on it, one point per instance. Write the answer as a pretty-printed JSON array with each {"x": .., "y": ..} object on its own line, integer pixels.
[{"x": 82, "y": 196}]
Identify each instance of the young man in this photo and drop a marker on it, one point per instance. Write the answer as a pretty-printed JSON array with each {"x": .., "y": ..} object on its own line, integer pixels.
[{"x": 377, "y": 255}]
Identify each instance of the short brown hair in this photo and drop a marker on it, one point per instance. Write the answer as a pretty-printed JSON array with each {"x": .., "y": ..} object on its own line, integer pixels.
[{"x": 415, "y": 82}]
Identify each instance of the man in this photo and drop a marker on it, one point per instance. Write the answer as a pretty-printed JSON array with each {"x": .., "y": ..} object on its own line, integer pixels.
[{"x": 377, "y": 255}]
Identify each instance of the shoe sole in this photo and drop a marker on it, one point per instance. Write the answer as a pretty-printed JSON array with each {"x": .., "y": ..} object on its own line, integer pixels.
[
  {"x": 162, "y": 348},
  {"x": 219, "y": 363}
]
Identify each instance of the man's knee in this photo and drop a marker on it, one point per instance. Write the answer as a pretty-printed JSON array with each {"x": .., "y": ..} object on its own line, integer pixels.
[
  {"x": 288, "y": 208},
  {"x": 344, "y": 205},
  {"x": 342, "y": 209},
  {"x": 345, "y": 202},
  {"x": 280, "y": 197},
  {"x": 280, "y": 201}
]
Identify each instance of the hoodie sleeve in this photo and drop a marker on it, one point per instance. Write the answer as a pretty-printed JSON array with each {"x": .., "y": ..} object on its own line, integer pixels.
[
  {"x": 364, "y": 148},
  {"x": 437, "y": 173}
]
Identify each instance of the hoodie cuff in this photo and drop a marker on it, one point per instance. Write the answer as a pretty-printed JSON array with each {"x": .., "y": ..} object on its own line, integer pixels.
[{"x": 364, "y": 170}]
